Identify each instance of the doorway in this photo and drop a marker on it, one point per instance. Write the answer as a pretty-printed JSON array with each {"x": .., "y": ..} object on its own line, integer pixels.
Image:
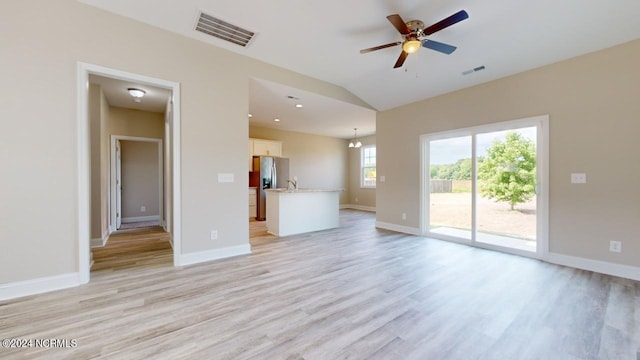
[
  {"x": 136, "y": 183},
  {"x": 171, "y": 162},
  {"x": 487, "y": 186}
]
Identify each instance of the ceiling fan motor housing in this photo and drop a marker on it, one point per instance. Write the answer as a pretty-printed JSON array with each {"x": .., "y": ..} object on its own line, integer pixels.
[{"x": 415, "y": 27}]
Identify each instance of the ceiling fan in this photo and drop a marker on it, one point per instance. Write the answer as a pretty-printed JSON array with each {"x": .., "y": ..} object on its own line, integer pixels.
[{"x": 413, "y": 33}]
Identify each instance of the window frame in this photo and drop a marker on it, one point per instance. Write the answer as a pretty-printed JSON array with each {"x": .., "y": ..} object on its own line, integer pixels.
[{"x": 363, "y": 167}]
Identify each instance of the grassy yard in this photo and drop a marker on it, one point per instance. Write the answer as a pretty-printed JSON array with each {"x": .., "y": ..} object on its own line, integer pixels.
[{"x": 454, "y": 210}]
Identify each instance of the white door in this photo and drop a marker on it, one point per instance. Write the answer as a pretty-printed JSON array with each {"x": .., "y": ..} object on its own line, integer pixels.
[{"x": 118, "y": 185}]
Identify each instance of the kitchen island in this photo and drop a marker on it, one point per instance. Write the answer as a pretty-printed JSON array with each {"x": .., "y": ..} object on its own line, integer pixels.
[{"x": 302, "y": 210}]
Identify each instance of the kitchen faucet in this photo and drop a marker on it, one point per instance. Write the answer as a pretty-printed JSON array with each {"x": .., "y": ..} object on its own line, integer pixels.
[{"x": 293, "y": 182}]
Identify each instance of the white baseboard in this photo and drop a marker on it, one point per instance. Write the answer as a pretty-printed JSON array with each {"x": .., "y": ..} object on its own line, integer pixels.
[
  {"x": 100, "y": 242},
  {"x": 37, "y": 286},
  {"x": 358, "y": 207},
  {"x": 209, "y": 255},
  {"x": 603, "y": 267},
  {"x": 140, "y": 219},
  {"x": 398, "y": 228}
]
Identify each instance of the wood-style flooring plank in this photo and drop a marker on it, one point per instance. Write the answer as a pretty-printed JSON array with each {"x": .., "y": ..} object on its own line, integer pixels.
[{"x": 355, "y": 292}]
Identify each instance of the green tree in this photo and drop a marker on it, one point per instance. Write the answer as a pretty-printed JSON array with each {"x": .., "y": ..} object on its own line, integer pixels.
[
  {"x": 460, "y": 170},
  {"x": 508, "y": 172}
]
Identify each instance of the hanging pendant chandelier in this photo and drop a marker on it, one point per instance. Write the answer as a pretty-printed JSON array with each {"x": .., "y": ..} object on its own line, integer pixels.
[{"x": 355, "y": 143}]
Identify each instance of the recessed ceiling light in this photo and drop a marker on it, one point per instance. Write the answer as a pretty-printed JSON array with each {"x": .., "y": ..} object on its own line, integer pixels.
[
  {"x": 276, "y": 120},
  {"x": 250, "y": 115},
  {"x": 299, "y": 106}
]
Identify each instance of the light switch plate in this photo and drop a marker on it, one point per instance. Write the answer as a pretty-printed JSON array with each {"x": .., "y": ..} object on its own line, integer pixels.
[
  {"x": 225, "y": 178},
  {"x": 382, "y": 178},
  {"x": 578, "y": 178}
]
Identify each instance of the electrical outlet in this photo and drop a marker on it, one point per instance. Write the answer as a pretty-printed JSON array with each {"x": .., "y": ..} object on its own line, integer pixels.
[
  {"x": 615, "y": 246},
  {"x": 404, "y": 216},
  {"x": 356, "y": 199},
  {"x": 214, "y": 234},
  {"x": 143, "y": 208},
  {"x": 578, "y": 178}
]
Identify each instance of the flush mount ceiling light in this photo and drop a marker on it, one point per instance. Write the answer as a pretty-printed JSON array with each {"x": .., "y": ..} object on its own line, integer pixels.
[
  {"x": 355, "y": 144},
  {"x": 299, "y": 106},
  {"x": 137, "y": 94},
  {"x": 250, "y": 115},
  {"x": 276, "y": 120}
]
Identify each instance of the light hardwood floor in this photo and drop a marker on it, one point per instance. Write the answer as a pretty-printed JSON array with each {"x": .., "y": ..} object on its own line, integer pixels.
[{"x": 351, "y": 293}]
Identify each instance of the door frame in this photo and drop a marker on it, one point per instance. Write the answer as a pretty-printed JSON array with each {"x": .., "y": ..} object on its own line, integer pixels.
[
  {"x": 542, "y": 182},
  {"x": 84, "y": 159},
  {"x": 113, "y": 189}
]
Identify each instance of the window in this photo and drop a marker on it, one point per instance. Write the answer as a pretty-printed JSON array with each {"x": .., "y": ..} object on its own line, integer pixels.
[{"x": 368, "y": 167}]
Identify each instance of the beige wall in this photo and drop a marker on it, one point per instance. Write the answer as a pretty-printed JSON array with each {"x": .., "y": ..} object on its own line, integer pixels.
[
  {"x": 365, "y": 197},
  {"x": 317, "y": 161},
  {"x": 42, "y": 43},
  {"x": 140, "y": 179},
  {"x": 128, "y": 122},
  {"x": 592, "y": 103}
]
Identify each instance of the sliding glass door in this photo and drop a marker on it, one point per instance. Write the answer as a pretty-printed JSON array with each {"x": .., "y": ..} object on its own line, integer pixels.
[
  {"x": 450, "y": 207},
  {"x": 483, "y": 185}
]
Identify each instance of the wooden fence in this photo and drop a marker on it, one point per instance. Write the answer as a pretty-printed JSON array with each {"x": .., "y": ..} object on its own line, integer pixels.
[
  {"x": 447, "y": 186},
  {"x": 441, "y": 186}
]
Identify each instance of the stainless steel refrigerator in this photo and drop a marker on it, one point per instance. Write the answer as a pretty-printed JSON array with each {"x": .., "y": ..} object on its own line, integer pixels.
[{"x": 273, "y": 173}]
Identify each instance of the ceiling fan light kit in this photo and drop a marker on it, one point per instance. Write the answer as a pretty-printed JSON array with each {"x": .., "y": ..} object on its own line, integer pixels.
[
  {"x": 411, "y": 46},
  {"x": 414, "y": 36}
]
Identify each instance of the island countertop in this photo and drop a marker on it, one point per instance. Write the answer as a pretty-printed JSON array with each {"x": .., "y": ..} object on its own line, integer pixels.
[
  {"x": 302, "y": 190},
  {"x": 303, "y": 210}
]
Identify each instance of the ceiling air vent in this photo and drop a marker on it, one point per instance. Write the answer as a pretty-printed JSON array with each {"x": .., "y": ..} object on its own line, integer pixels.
[
  {"x": 213, "y": 26},
  {"x": 475, "y": 69}
]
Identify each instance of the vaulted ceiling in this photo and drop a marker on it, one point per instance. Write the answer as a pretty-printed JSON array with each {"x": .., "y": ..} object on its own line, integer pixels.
[{"x": 322, "y": 39}]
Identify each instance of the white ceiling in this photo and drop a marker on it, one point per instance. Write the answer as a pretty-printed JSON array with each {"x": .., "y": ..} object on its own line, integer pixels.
[
  {"x": 322, "y": 39},
  {"x": 319, "y": 115},
  {"x": 116, "y": 92}
]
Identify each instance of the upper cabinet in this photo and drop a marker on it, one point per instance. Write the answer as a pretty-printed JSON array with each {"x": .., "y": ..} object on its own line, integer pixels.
[
  {"x": 261, "y": 147},
  {"x": 267, "y": 147}
]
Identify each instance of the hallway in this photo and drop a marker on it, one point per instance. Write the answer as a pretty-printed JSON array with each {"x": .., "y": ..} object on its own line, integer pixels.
[{"x": 140, "y": 248}]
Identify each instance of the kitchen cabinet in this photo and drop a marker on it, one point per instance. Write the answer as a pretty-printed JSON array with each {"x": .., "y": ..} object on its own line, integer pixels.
[
  {"x": 267, "y": 147},
  {"x": 253, "y": 210},
  {"x": 262, "y": 147}
]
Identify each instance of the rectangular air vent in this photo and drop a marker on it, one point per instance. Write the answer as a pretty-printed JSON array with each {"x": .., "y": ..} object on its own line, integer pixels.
[
  {"x": 471, "y": 71},
  {"x": 221, "y": 29}
]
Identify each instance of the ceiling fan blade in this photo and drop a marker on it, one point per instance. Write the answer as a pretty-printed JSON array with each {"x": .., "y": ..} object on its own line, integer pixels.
[
  {"x": 380, "y": 47},
  {"x": 438, "y": 46},
  {"x": 399, "y": 24},
  {"x": 444, "y": 23},
  {"x": 401, "y": 59}
]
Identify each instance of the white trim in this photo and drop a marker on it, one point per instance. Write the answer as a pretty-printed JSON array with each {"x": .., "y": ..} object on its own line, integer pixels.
[
  {"x": 100, "y": 242},
  {"x": 358, "y": 207},
  {"x": 84, "y": 165},
  {"x": 84, "y": 175},
  {"x": 38, "y": 286},
  {"x": 603, "y": 267},
  {"x": 398, "y": 228},
  {"x": 209, "y": 255},
  {"x": 134, "y": 219}
]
